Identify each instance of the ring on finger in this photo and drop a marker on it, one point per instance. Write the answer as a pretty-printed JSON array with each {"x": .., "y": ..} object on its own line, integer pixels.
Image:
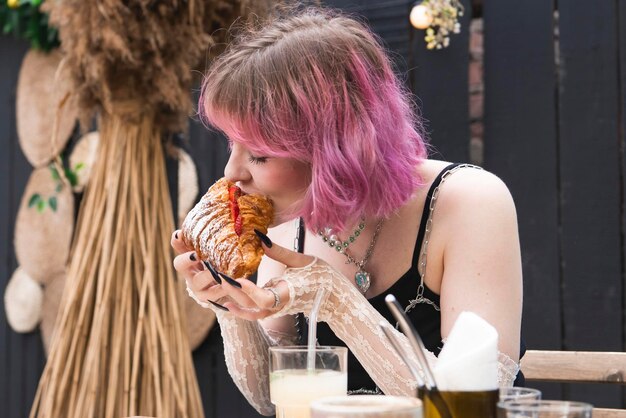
[{"x": 276, "y": 298}]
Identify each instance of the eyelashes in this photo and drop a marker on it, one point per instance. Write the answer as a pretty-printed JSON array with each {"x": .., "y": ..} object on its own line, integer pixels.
[
  {"x": 251, "y": 158},
  {"x": 257, "y": 160}
]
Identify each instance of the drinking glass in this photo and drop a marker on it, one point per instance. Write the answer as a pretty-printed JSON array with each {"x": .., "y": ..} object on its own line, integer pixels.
[
  {"x": 461, "y": 404},
  {"x": 366, "y": 406},
  {"x": 544, "y": 409},
  {"x": 519, "y": 393},
  {"x": 296, "y": 380}
]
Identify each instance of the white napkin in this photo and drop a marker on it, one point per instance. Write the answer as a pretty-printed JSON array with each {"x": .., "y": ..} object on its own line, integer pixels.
[{"x": 469, "y": 358}]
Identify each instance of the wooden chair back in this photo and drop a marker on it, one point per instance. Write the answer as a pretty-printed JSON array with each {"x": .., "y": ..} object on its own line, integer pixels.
[
  {"x": 609, "y": 413},
  {"x": 577, "y": 367}
]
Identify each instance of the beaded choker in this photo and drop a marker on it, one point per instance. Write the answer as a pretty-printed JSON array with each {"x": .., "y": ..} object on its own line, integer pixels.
[{"x": 333, "y": 240}]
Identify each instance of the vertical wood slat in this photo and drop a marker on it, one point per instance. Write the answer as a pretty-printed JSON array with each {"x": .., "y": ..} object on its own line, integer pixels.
[
  {"x": 440, "y": 80},
  {"x": 590, "y": 185},
  {"x": 6, "y": 73},
  {"x": 622, "y": 140},
  {"x": 521, "y": 148},
  {"x": 520, "y": 145},
  {"x": 389, "y": 19}
]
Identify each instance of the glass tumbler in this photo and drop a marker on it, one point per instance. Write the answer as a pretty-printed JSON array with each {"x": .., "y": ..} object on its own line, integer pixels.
[
  {"x": 519, "y": 393},
  {"x": 544, "y": 409},
  {"x": 296, "y": 379}
]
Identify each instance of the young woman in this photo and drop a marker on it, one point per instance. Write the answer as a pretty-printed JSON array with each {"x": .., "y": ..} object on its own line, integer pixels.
[{"x": 318, "y": 122}]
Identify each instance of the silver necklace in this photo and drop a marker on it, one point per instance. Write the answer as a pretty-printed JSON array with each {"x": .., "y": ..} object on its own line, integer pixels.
[{"x": 362, "y": 278}]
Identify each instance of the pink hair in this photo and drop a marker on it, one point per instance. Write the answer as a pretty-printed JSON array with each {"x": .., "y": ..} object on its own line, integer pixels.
[{"x": 318, "y": 87}]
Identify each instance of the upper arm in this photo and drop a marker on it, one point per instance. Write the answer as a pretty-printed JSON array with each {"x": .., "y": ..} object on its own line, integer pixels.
[{"x": 481, "y": 255}]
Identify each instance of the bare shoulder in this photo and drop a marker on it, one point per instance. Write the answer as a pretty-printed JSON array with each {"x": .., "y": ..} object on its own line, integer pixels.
[
  {"x": 466, "y": 185},
  {"x": 471, "y": 187},
  {"x": 473, "y": 198}
]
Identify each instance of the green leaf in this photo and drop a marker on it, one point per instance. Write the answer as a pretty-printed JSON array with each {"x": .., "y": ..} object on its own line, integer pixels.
[
  {"x": 78, "y": 167},
  {"x": 34, "y": 199},
  {"x": 41, "y": 205},
  {"x": 52, "y": 201},
  {"x": 55, "y": 173},
  {"x": 71, "y": 176}
]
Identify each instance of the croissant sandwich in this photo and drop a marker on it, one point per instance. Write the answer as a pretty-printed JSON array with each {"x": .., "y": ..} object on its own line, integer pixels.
[{"x": 221, "y": 228}]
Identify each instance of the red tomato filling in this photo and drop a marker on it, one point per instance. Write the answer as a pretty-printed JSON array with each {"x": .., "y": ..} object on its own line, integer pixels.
[{"x": 234, "y": 193}]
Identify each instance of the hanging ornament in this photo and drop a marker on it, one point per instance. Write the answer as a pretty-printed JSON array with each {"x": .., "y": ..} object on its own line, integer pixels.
[
  {"x": 420, "y": 17},
  {"x": 440, "y": 19}
]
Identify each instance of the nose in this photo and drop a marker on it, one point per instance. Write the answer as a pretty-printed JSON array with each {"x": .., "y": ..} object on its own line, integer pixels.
[{"x": 236, "y": 170}]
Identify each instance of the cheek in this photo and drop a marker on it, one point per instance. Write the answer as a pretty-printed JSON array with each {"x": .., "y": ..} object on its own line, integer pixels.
[{"x": 289, "y": 185}]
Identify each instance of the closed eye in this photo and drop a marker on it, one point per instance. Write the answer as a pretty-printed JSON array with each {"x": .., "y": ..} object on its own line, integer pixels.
[{"x": 257, "y": 160}]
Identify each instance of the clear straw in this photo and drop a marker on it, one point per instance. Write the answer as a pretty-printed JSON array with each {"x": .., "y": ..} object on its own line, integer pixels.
[{"x": 312, "y": 342}]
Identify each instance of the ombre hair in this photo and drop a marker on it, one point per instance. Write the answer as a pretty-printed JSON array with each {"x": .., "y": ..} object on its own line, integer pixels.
[{"x": 318, "y": 87}]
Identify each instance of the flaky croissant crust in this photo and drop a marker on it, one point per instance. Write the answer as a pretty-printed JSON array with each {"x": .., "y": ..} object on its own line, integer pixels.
[{"x": 210, "y": 230}]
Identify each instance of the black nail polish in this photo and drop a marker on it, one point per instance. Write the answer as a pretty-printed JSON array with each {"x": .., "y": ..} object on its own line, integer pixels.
[
  {"x": 213, "y": 272},
  {"x": 192, "y": 256},
  {"x": 176, "y": 235},
  {"x": 266, "y": 240},
  {"x": 230, "y": 280},
  {"x": 217, "y": 305}
]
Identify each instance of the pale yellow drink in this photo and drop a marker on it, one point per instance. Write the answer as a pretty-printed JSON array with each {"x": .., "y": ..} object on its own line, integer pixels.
[{"x": 292, "y": 390}]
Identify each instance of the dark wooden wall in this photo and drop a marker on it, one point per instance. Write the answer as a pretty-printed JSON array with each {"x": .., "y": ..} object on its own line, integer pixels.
[
  {"x": 553, "y": 132},
  {"x": 554, "y": 112}
]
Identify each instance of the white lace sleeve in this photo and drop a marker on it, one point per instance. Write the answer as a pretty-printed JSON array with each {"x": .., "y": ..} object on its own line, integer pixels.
[
  {"x": 355, "y": 322},
  {"x": 507, "y": 370},
  {"x": 246, "y": 352}
]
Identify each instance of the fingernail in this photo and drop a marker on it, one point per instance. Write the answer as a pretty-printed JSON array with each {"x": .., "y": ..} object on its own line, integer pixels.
[
  {"x": 192, "y": 256},
  {"x": 217, "y": 305},
  {"x": 266, "y": 240},
  {"x": 230, "y": 280},
  {"x": 213, "y": 272}
]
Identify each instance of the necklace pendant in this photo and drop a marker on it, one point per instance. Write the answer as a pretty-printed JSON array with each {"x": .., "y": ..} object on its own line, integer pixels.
[{"x": 363, "y": 280}]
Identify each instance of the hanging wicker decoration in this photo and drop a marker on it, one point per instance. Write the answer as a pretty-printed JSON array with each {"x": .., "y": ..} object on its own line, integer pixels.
[
  {"x": 187, "y": 184},
  {"x": 43, "y": 107},
  {"x": 23, "y": 298},
  {"x": 82, "y": 158},
  {"x": 120, "y": 346},
  {"x": 44, "y": 225}
]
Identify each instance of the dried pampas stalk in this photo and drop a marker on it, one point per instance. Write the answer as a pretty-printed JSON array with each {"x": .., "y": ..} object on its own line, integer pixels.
[{"x": 120, "y": 346}]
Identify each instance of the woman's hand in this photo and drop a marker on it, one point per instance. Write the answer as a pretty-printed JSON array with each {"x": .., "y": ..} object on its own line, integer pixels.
[
  {"x": 249, "y": 301},
  {"x": 200, "y": 280},
  {"x": 241, "y": 297}
]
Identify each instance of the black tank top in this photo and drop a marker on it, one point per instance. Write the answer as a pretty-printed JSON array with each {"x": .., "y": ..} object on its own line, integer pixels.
[{"x": 426, "y": 317}]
